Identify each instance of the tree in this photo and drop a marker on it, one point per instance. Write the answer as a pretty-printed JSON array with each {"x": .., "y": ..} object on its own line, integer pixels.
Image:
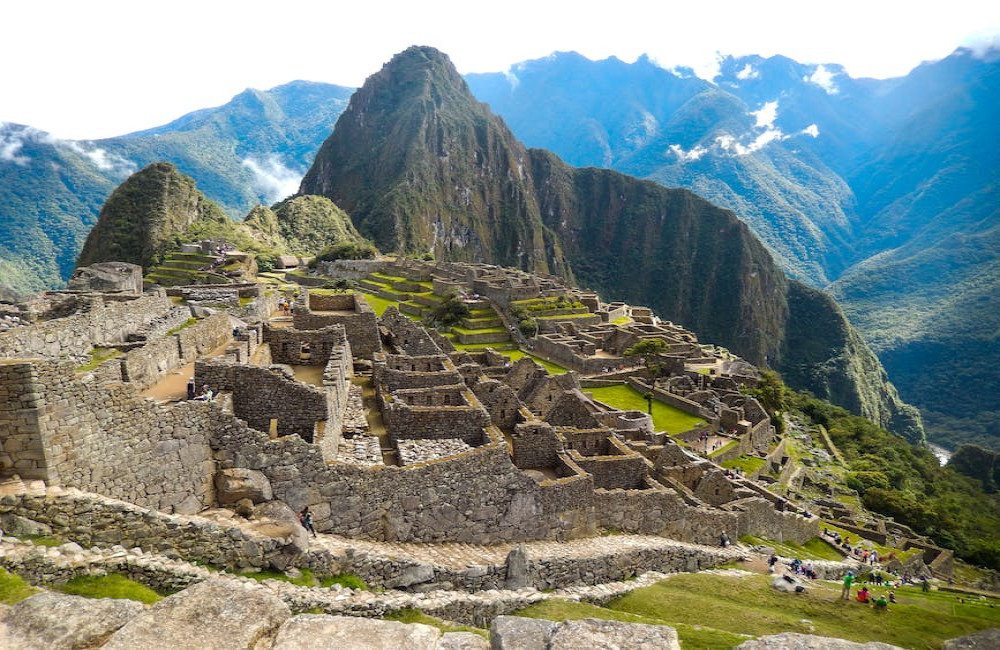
[
  {"x": 649, "y": 402},
  {"x": 649, "y": 349},
  {"x": 450, "y": 311}
]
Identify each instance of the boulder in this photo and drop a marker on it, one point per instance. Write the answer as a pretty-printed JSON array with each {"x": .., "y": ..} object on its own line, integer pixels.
[
  {"x": 18, "y": 526},
  {"x": 787, "y": 583},
  {"x": 985, "y": 640},
  {"x": 462, "y": 641},
  {"x": 597, "y": 634},
  {"x": 56, "y": 621},
  {"x": 519, "y": 633},
  {"x": 277, "y": 519},
  {"x": 794, "y": 641},
  {"x": 233, "y": 485},
  {"x": 323, "y": 632},
  {"x": 215, "y": 614},
  {"x": 412, "y": 575}
]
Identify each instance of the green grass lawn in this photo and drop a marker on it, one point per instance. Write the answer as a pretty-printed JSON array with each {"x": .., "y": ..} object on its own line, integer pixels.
[
  {"x": 748, "y": 464},
  {"x": 665, "y": 417},
  {"x": 691, "y": 636},
  {"x": 13, "y": 588},
  {"x": 110, "y": 586},
  {"x": 709, "y": 611},
  {"x": 505, "y": 348},
  {"x": 553, "y": 368},
  {"x": 484, "y": 330},
  {"x": 416, "y": 616}
]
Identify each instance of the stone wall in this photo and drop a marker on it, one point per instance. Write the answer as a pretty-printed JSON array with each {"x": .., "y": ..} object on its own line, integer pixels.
[
  {"x": 21, "y": 448},
  {"x": 409, "y": 337},
  {"x": 261, "y": 395},
  {"x": 94, "y": 520},
  {"x": 109, "y": 320},
  {"x": 148, "y": 364},
  {"x": 103, "y": 438},
  {"x": 361, "y": 326},
  {"x": 660, "y": 511},
  {"x": 686, "y": 405},
  {"x": 287, "y": 344},
  {"x": 535, "y": 445},
  {"x": 620, "y": 468},
  {"x": 477, "y": 496}
]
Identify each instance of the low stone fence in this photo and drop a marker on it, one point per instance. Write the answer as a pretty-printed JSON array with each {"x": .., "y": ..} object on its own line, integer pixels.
[
  {"x": 92, "y": 520},
  {"x": 686, "y": 405}
]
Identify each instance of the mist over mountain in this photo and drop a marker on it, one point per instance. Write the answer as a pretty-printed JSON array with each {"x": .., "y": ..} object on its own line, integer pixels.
[{"x": 250, "y": 151}]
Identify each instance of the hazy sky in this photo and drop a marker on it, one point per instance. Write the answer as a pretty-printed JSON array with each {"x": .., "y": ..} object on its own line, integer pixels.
[{"x": 98, "y": 68}]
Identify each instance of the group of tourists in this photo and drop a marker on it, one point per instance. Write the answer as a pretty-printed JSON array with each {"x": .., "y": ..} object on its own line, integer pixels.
[{"x": 864, "y": 596}]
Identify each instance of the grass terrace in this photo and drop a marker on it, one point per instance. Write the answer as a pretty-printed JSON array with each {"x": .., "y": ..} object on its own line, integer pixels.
[
  {"x": 749, "y": 464},
  {"x": 716, "y": 611},
  {"x": 814, "y": 549},
  {"x": 665, "y": 417}
]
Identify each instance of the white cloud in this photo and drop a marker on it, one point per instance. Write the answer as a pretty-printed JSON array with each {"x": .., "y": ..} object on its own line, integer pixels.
[
  {"x": 511, "y": 78},
  {"x": 688, "y": 156},
  {"x": 272, "y": 178},
  {"x": 11, "y": 142},
  {"x": 823, "y": 77},
  {"x": 13, "y": 137},
  {"x": 766, "y": 115},
  {"x": 748, "y": 72},
  {"x": 101, "y": 159},
  {"x": 763, "y": 133}
]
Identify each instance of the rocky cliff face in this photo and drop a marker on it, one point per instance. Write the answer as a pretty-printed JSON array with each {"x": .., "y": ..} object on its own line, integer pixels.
[
  {"x": 421, "y": 165},
  {"x": 143, "y": 217}
]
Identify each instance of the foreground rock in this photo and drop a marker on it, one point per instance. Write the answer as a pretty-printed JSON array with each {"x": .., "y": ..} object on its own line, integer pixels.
[
  {"x": 793, "y": 641},
  {"x": 517, "y": 633},
  {"x": 611, "y": 635},
  {"x": 323, "y": 632},
  {"x": 215, "y": 614},
  {"x": 55, "y": 621},
  {"x": 985, "y": 640}
]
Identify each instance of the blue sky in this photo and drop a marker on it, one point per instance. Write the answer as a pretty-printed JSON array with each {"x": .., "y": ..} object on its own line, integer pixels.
[{"x": 106, "y": 67}]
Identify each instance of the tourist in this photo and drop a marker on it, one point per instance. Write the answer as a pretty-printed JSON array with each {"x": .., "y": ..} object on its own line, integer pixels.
[
  {"x": 845, "y": 593},
  {"x": 206, "y": 394},
  {"x": 881, "y": 603},
  {"x": 925, "y": 584},
  {"x": 190, "y": 388},
  {"x": 724, "y": 539},
  {"x": 863, "y": 595},
  {"x": 892, "y": 596},
  {"x": 771, "y": 561},
  {"x": 306, "y": 519}
]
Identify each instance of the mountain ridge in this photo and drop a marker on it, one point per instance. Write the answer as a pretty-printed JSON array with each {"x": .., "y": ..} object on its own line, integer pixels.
[{"x": 696, "y": 264}]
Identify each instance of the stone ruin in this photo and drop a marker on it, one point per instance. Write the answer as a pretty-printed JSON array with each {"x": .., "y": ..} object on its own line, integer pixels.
[{"x": 467, "y": 447}]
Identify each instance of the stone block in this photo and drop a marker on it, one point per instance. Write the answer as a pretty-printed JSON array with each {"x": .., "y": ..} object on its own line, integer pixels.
[{"x": 232, "y": 485}]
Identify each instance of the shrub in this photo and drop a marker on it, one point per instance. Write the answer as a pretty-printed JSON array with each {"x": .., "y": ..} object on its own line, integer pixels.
[
  {"x": 449, "y": 311},
  {"x": 345, "y": 250},
  {"x": 265, "y": 263}
]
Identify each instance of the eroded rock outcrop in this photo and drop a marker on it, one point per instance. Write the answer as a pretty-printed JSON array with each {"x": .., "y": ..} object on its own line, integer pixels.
[{"x": 215, "y": 614}]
